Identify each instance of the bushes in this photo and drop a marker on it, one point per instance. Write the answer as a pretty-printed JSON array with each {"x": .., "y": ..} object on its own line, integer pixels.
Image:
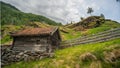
[{"x": 7, "y": 38}]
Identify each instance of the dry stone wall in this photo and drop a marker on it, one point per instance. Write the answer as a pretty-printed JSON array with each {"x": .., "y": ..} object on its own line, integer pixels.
[{"x": 9, "y": 56}]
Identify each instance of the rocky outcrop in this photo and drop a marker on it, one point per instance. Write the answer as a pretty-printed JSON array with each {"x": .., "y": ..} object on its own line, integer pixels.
[{"x": 89, "y": 22}]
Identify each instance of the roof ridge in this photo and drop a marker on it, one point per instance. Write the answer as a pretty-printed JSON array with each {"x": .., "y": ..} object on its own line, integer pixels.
[{"x": 55, "y": 28}]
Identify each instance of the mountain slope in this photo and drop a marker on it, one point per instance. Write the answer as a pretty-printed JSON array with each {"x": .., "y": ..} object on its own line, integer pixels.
[{"x": 10, "y": 15}]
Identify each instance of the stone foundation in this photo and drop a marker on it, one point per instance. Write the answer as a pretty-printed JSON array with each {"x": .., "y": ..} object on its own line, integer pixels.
[{"x": 10, "y": 56}]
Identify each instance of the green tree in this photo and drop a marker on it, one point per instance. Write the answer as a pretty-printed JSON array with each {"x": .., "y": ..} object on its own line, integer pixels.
[
  {"x": 118, "y": 0},
  {"x": 81, "y": 18},
  {"x": 102, "y": 15},
  {"x": 90, "y": 10}
]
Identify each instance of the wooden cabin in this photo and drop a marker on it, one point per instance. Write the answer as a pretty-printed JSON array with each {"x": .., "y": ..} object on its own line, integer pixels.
[{"x": 37, "y": 39}]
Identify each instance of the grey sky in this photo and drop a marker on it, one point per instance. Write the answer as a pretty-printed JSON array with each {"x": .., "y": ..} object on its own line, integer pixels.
[{"x": 68, "y": 10}]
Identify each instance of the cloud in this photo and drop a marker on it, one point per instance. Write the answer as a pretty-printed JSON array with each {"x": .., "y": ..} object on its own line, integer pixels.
[{"x": 64, "y": 10}]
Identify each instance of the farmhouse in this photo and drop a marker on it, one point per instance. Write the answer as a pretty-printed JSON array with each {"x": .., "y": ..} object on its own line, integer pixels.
[{"x": 37, "y": 39}]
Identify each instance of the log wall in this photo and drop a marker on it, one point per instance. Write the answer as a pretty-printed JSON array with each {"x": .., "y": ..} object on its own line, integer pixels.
[
  {"x": 31, "y": 43},
  {"x": 55, "y": 40}
]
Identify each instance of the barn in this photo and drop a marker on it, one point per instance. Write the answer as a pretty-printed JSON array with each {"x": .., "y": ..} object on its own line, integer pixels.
[{"x": 36, "y": 39}]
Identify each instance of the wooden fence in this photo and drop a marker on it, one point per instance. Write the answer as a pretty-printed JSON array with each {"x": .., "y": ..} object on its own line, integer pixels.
[{"x": 99, "y": 37}]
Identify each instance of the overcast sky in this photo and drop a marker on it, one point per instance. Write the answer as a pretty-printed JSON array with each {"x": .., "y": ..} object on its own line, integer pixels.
[{"x": 68, "y": 10}]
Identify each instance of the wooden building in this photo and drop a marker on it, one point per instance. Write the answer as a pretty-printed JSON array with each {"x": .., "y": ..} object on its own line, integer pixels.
[{"x": 37, "y": 39}]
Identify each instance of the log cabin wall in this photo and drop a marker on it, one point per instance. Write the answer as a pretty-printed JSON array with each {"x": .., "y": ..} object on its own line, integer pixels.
[
  {"x": 35, "y": 43},
  {"x": 37, "y": 40},
  {"x": 55, "y": 40}
]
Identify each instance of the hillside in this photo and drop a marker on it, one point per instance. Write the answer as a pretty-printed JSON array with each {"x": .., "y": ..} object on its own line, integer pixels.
[
  {"x": 67, "y": 31},
  {"x": 97, "y": 55},
  {"x": 92, "y": 22},
  {"x": 10, "y": 15},
  {"x": 79, "y": 29},
  {"x": 93, "y": 42},
  {"x": 12, "y": 19}
]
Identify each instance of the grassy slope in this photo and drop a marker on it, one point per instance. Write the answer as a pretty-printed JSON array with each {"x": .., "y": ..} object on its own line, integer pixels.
[
  {"x": 65, "y": 36},
  {"x": 70, "y": 35},
  {"x": 75, "y": 34},
  {"x": 106, "y": 26},
  {"x": 70, "y": 57}
]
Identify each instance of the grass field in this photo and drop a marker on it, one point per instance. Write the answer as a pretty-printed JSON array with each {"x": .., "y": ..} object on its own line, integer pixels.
[{"x": 70, "y": 57}]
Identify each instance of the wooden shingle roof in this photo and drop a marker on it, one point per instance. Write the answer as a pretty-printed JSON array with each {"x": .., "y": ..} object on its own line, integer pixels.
[{"x": 35, "y": 31}]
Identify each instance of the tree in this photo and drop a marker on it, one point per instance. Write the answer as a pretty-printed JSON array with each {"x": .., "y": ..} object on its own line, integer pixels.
[
  {"x": 102, "y": 15},
  {"x": 90, "y": 10},
  {"x": 81, "y": 18},
  {"x": 71, "y": 22},
  {"x": 118, "y": 0}
]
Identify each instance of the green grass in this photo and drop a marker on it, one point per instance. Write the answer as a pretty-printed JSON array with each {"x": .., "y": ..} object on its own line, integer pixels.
[
  {"x": 110, "y": 24},
  {"x": 5, "y": 32},
  {"x": 7, "y": 38},
  {"x": 104, "y": 27},
  {"x": 70, "y": 35},
  {"x": 75, "y": 34},
  {"x": 69, "y": 57},
  {"x": 98, "y": 29}
]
